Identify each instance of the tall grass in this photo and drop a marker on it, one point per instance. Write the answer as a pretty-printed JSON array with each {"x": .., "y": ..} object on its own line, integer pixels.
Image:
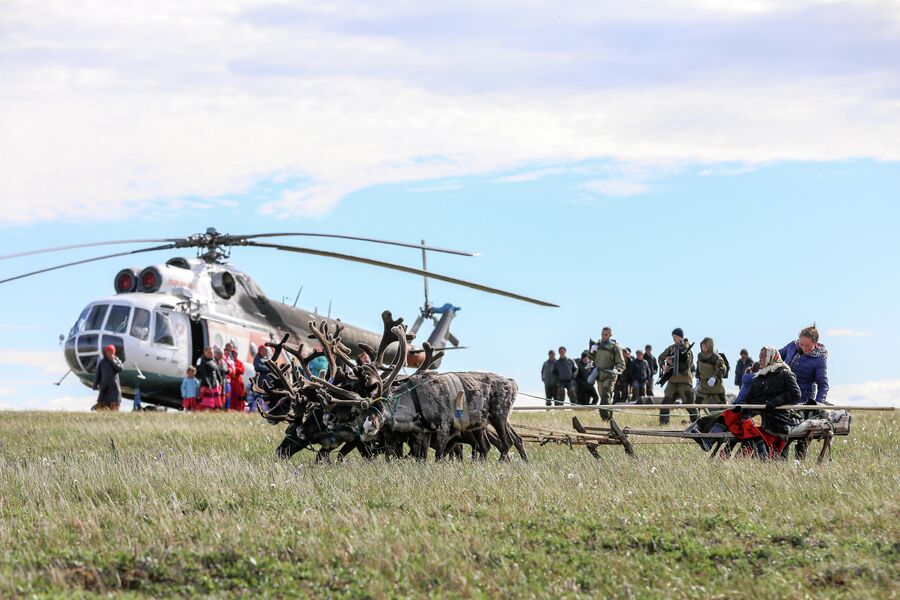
[{"x": 174, "y": 504}]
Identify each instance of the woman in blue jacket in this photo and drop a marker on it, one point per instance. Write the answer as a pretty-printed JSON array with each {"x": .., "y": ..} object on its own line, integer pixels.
[{"x": 808, "y": 359}]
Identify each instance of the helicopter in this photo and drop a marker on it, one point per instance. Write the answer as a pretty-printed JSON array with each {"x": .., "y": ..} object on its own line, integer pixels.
[{"x": 161, "y": 317}]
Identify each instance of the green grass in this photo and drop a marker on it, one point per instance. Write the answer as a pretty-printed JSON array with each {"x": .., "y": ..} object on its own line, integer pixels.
[{"x": 192, "y": 505}]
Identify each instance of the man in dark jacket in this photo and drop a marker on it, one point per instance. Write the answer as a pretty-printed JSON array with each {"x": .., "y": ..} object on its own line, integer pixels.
[
  {"x": 106, "y": 380},
  {"x": 565, "y": 370},
  {"x": 585, "y": 390},
  {"x": 639, "y": 374},
  {"x": 549, "y": 378},
  {"x": 623, "y": 384},
  {"x": 743, "y": 363},
  {"x": 654, "y": 369}
]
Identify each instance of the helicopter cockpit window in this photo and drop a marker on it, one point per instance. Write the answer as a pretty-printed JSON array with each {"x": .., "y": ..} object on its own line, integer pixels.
[
  {"x": 78, "y": 327},
  {"x": 95, "y": 319},
  {"x": 140, "y": 324},
  {"x": 118, "y": 319},
  {"x": 162, "y": 333}
]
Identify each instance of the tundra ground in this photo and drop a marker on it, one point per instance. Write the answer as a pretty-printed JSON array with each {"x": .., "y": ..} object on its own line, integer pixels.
[{"x": 192, "y": 505}]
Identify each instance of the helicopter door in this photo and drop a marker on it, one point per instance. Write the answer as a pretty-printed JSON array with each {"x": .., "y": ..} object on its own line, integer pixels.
[
  {"x": 198, "y": 340},
  {"x": 171, "y": 340}
]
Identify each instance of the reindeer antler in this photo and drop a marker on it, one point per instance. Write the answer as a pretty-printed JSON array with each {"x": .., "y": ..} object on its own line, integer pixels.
[{"x": 387, "y": 338}]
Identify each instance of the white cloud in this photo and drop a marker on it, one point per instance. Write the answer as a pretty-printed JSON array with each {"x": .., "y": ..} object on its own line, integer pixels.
[
  {"x": 847, "y": 333},
  {"x": 46, "y": 362},
  {"x": 615, "y": 187},
  {"x": 875, "y": 393},
  {"x": 109, "y": 108}
]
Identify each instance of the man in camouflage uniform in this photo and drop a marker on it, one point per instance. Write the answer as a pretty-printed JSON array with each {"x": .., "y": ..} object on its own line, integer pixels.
[
  {"x": 711, "y": 372},
  {"x": 610, "y": 363},
  {"x": 678, "y": 358}
]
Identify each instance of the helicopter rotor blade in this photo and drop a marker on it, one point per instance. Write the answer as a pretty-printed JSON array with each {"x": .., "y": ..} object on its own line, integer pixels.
[
  {"x": 87, "y": 245},
  {"x": 88, "y": 260},
  {"x": 395, "y": 267},
  {"x": 237, "y": 239}
]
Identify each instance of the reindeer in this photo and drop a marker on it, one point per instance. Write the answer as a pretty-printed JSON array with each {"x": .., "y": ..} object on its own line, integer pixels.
[
  {"x": 430, "y": 405},
  {"x": 371, "y": 408}
]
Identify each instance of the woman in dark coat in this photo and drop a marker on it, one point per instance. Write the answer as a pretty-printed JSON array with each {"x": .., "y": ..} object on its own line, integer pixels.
[
  {"x": 210, "y": 380},
  {"x": 775, "y": 385},
  {"x": 106, "y": 380}
]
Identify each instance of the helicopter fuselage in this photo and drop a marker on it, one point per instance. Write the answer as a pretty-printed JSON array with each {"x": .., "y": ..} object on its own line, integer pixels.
[{"x": 162, "y": 318}]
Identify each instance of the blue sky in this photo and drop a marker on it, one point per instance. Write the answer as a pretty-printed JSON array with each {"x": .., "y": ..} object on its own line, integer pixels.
[{"x": 729, "y": 168}]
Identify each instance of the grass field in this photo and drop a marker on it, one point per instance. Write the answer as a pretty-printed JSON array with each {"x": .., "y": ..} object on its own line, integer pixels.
[{"x": 190, "y": 505}]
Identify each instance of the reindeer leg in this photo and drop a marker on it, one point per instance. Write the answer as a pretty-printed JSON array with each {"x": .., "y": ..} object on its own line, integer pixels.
[
  {"x": 517, "y": 442},
  {"x": 323, "y": 456},
  {"x": 502, "y": 436},
  {"x": 441, "y": 437},
  {"x": 348, "y": 448}
]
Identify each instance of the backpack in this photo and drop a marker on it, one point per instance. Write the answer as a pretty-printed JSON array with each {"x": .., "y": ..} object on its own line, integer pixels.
[{"x": 727, "y": 365}]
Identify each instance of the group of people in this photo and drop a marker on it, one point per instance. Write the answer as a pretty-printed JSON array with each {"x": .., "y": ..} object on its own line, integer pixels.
[
  {"x": 216, "y": 383},
  {"x": 608, "y": 374}
]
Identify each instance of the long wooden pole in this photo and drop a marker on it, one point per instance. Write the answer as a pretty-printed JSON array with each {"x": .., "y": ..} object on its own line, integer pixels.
[{"x": 624, "y": 407}]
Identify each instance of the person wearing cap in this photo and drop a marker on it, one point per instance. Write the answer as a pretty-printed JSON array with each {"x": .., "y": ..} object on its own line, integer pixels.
[
  {"x": 106, "y": 381},
  {"x": 678, "y": 359}
]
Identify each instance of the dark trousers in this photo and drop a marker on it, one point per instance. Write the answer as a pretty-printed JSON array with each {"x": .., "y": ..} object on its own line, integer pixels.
[
  {"x": 550, "y": 393},
  {"x": 587, "y": 394},
  {"x": 564, "y": 387},
  {"x": 648, "y": 387},
  {"x": 675, "y": 391},
  {"x": 621, "y": 391},
  {"x": 637, "y": 390}
]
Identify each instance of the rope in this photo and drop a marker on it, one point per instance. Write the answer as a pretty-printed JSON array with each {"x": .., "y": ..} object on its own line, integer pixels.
[
  {"x": 406, "y": 390},
  {"x": 603, "y": 407}
]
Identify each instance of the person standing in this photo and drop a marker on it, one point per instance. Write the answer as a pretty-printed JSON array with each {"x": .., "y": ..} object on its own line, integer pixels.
[
  {"x": 623, "y": 382},
  {"x": 609, "y": 363},
  {"x": 262, "y": 373},
  {"x": 808, "y": 359},
  {"x": 225, "y": 368},
  {"x": 583, "y": 387},
  {"x": 654, "y": 369},
  {"x": 238, "y": 388},
  {"x": 106, "y": 380},
  {"x": 549, "y": 378},
  {"x": 676, "y": 362},
  {"x": 639, "y": 374},
  {"x": 565, "y": 370},
  {"x": 210, "y": 378},
  {"x": 743, "y": 363},
  {"x": 190, "y": 390},
  {"x": 711, "y": 371}
]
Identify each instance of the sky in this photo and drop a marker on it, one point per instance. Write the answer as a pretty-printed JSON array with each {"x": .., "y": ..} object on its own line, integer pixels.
[{"x": 731, "y": 168}]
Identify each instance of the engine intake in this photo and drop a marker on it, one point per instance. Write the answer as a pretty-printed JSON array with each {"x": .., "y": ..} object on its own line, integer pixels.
[{"x": 126, "y": 281}]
